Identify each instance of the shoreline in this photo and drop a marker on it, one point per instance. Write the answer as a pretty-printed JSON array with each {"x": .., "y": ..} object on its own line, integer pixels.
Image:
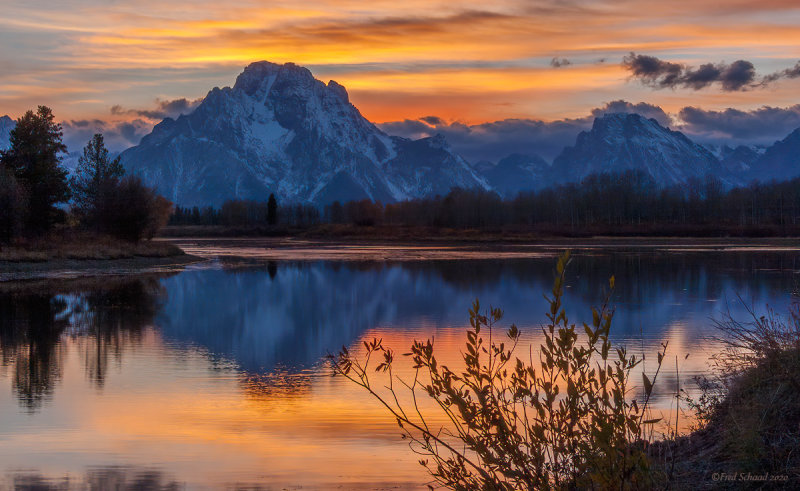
[
  {"x": 77, "y": 268},
  {"x": 247, "y": 250},
  {"x": 499, "y": 234}
]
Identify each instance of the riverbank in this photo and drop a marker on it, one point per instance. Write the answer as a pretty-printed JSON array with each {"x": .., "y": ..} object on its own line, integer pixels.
[
  {"x": 748, "y": 415},
  {"x": 68, "y": 255},
  {"x": 59, "y": 247},
  {"x": 489, "y": 234},
  {"x": 305, "y": 249}
]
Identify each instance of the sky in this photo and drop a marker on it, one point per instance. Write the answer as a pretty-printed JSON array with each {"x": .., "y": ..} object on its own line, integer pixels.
[{"x": 713, "y": 67}]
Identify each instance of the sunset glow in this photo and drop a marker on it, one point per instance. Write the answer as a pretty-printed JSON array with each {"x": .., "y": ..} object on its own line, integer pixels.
[{"x": 469, "y": 63}]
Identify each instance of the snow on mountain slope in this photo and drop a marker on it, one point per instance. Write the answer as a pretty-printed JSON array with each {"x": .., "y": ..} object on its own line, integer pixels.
[
  {"x": 278, "y": 129},
  {"x": 619, "y": 141}
]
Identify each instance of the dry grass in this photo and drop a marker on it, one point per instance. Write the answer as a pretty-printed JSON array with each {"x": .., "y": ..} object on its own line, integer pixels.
[
  {"x": 83, "y": 247},
  {"x": 749, "y": 413}
]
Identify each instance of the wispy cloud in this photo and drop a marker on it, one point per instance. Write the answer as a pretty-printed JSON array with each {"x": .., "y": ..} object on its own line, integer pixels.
[
  {"x": 472, "y": 61},
  {"x": 164, "y": 109}
]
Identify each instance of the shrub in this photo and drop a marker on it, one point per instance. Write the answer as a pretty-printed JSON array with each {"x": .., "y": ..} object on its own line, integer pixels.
[
  {"x": 749, "y": 410},
  {"x": 564, "y": 423},
  {"x": 129, "y": 210}
]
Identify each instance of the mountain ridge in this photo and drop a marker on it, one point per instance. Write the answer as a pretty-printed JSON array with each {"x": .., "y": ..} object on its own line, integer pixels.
[
  {"x": 625, "y": 141},
  {"x": 279, "y": 130}
]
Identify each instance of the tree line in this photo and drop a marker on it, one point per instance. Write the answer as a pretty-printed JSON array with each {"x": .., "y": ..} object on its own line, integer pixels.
[
  {"x": 249, "y": 213},
  {"x": 37, "y": 197},
  {"x": 629, "y": 200}
]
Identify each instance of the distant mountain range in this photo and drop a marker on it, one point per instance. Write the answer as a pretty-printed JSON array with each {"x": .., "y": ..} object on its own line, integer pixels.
[{"x": 279, "y": 130}]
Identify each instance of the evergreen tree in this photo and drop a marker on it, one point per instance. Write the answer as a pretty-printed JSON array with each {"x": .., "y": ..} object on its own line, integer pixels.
[
  {"x": 12, "y": 206},
  {"x": 95, "y": 170},
  {"x": 33, "y": 158},
  {"x": 272, "y": 210}
]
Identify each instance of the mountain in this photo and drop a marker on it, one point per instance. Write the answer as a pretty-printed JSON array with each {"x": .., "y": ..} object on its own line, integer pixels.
[
  {"x": 515, "y": 173},
  {"x": 779, "y": 162},
  {"x": 278, "y": 129},
  {"x": 622, "y": 141},
  {"x": 6, "y": 125},
  {"x": 739, "y": 160}
]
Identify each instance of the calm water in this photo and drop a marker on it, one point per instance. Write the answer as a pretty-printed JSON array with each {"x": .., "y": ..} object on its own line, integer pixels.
[{"x": 214, "y": 377}]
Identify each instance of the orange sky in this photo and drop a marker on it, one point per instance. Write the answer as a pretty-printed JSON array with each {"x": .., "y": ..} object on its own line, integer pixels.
[{"x": 467, "y": 61}]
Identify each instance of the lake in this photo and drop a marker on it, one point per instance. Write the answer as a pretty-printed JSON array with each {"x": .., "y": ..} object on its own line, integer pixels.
[{"x": 215, "y": 376}]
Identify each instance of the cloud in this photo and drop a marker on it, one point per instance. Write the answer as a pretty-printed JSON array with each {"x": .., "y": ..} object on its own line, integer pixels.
[
  {"x": 432, "y": 120},
  {"x": 495, "y": 140},
  {"x": 733, "y": 126},
  {"x": 164, "y": 109},
  {"x": 121, "y": 133},
  {"x": 643, "y": 108},
  {"x": 559, "y": 62},
  {"x": 660, "y": 74},
  {"x": 118, "y": 135},
  {"x": 793, "y": 72}
]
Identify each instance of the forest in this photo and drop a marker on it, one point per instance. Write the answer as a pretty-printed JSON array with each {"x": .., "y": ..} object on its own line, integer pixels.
[{"x": 630, "y": 202}]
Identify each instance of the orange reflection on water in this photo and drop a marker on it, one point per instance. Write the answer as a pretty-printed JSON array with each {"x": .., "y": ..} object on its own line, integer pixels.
[{"x": 205, "y": 422}]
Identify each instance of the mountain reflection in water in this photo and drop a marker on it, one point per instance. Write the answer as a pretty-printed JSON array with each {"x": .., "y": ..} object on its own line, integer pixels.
[
  {"x": 214, "y": 377},
  {"x": 300, "y": 312}
]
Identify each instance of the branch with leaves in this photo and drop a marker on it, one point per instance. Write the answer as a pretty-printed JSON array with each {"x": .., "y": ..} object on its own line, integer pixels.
[{"x": 566, "y": 420}]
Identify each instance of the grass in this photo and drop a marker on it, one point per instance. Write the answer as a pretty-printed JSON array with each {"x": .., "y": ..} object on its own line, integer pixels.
[
  {"x": 749, "y": 412},
  {"x": 83, "y": 246}
]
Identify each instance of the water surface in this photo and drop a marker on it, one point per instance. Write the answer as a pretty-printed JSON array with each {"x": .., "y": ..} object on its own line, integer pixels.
[{"x": 214, "y": 377}]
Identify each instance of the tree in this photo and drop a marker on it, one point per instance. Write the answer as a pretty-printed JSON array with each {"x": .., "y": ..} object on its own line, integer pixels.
[
  {"x": 94, "y": 169},
  {"x": 12, "y": 204},
  {"x": 129, "y": 210},
  {"x": 272, "y": 210},
  {"x": 33, "y": 158}
]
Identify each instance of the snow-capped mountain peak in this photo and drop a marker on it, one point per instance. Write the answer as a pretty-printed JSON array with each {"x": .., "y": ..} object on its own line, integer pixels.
[
  {"x": 279, "y": 129},
  {"x": 622, "y": 141}
]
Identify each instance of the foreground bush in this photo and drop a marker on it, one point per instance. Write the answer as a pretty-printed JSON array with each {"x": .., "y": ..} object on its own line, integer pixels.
[
  {"x": 565, "y": 422},
  {"x": 749, "y": 411}
]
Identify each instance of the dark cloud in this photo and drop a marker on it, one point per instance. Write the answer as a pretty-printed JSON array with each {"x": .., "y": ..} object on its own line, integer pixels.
[
  {"x": 432, "y": 120},
  {"x": 643, "y": 108},
  {"x": 163, "y": 109},
  {"x": 495, "y": 140},
  {"x": 737, "y": 75},
  {"x": 559, "y": 62},
  {"x": 653, "y": 71},
  {"x": 793, "y": 72},
  {"x": 118, "y": 135},
  {"x": 732, "y": 126},
  {"x": 661, "y": 74}
]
